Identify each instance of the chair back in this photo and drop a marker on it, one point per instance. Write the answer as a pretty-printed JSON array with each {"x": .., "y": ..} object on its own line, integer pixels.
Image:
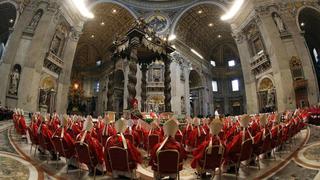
[
  {"x": 43, "y": 142},
  {"x": 213, "y": 160},
  {"x": 266, "y": 145},
  {"x": 104, "y": 139},
  {"x": 118, "y": 158},
  {"x": 168, "y": 161},
  {"x": 153, "y": 139},
  {"x": 83, "y": 154},
  {"x": 34, "y": 140},
  {"x": 58, "y": 146},
  {"x": 246, "y": 150}
]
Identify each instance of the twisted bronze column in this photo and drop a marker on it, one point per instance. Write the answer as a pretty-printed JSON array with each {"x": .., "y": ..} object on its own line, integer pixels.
[
  {"x": 167, "y": 84},
  {"x": 110, "y": 92},
  {"x": 132, "y": 79},
  {"x": 144, "y": 68}
]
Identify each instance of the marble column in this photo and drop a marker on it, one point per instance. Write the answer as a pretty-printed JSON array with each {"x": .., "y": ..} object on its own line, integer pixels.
[
  {"x": 167, "y": 84},
  {"x": 32, "y": 69},
  {"x": 144, "y": 68},
  {"x": 280, "y": 58},
  {"x": 110, "y": 92},
  {"x": 64, "y": 79},
  {"x": 248, "y": 77},
  {"x": 14, "y": 44}
]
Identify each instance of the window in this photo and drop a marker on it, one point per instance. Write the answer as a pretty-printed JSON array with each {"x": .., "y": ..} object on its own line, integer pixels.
[
  {"x": 214, "y": 86},
  {"x": 316, "y": 56},
  {"x": 213, "y": 63},
  {"x": 231, "y": 63},
  {"x": 97, "y": 87},
  {"x": 235, "y": 85},
  {"x": 98, "y": 62}
]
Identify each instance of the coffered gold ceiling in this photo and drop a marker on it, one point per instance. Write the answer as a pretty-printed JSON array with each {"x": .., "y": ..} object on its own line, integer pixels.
[
  {"x": 99, "y": 33},
  {"x": 201, "y": 29}
]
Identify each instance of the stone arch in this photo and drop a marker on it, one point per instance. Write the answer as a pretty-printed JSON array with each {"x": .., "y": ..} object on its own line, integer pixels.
[
  {"x": 17, "y": 7},
  {"x": 176, "y": 20},
  {"x": 299, "y": 13},
  {"x": 47, "y": 82},
  {"x": 114, "y": 2}
]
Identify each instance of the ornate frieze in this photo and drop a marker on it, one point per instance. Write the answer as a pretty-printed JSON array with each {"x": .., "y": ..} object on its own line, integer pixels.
[
  {"x": 260, "y": 63},
  {"x": 53, "y": 63}
]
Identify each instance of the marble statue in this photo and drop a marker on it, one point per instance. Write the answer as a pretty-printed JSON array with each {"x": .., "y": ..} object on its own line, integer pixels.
[
  {"x": 271, "y": 98},
  {"x": 43, "y": 97},
  {"x": 35, "y": 19},
  {"x": 277, "y": 19},
  {"x": 183, "y": 105},
  {"x": 14, "y": 82}
]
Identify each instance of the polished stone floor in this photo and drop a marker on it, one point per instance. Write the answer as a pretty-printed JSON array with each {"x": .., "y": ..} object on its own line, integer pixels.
[{"x": 298, "y": 160}]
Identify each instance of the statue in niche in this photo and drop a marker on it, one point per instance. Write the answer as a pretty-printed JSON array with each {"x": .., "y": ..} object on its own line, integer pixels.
[
  {"x": 14, "y": 80},
  {"x": 277, "y": 19},
  {"x": 271, "y": 98},
  {"x": 183, "y": 105},
  {"x": 43, "y": 97},
  {"x": 35, "y": 19},
  {"x": 55, "y": 46}
]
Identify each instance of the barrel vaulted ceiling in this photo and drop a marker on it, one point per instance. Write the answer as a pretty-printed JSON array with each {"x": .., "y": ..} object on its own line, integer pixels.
[{"x": 198, "y": 25}]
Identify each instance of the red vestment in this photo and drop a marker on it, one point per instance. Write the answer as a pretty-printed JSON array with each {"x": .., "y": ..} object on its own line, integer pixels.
[
  {"x": 170, "y": 144},
  {"x": 94, "y": 146},
  {"x": 199, "y": 153},
  {"x": 133, "y": 152},
  {"x": 68, "y": 142},
  {"x": 186, "y": 133},
  {"x": 46, "y": 133},
  {"x": 197, "y": 136},
  {"x": 234, "y": 147}
]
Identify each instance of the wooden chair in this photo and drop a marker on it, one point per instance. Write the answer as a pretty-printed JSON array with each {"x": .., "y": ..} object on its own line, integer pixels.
[
  {"x": 60, "y": 148},
  {"x": 213, "y": 160},
  {"x": 34, "y": 141},
  {"x": 119, "y": 161},
  {"x": 168, "y": 163},
  {"x": 84, "y": 156}
]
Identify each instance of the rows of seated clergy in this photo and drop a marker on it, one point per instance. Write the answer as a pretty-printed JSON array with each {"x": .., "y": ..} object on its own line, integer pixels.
[
  {"x": 228, "y": 133},
  {"x": 5, "y": 113}
]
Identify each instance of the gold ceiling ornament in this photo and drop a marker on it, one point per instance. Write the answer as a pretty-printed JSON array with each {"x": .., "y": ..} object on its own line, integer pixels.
[
  {"x": 266, "y": 84},
  {"x": 295, "y": 63}
]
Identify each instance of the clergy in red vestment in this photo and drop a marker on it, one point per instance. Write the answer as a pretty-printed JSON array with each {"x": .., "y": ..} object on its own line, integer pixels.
[
  {"x": 22, "y": 127},
  {"x": 135, "y": 113},
  {"x": 198, "y": 134},
  {"x": 45, "y": 133},
  {"x": 34, "y": 128},
  {"x": 205, "y": 126},
  {"x": 140, "y": 130},
  {"x": 130, "y": 131},
  {"x": 199, "y": 153},
  {"x": 106, "y": 130},
  {"x": 74, "y": 128},
  {"x": 94, "y": 146},
  {"x": 234, "y": 147},
  {"x": 155, "y": 129},
  {"x": 118, "y": 140},
  {"x": 187, "y": 131},
  {"x": 68, "y": 142},
  {"x": 261, "y": 134},
  {"x": 169, "y": 143},
  {"x": 54, "y": 122}
]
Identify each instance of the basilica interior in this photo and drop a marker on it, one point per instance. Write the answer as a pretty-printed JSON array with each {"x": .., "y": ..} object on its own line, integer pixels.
[{"x": 148, "y": 64}]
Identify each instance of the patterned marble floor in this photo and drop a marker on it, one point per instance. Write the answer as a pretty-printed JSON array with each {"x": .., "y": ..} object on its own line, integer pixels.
[{"x": 290, "y": 163}]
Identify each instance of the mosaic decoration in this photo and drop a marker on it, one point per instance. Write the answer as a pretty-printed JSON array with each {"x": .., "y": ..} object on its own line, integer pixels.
[{"x": 158, "y": 23}]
